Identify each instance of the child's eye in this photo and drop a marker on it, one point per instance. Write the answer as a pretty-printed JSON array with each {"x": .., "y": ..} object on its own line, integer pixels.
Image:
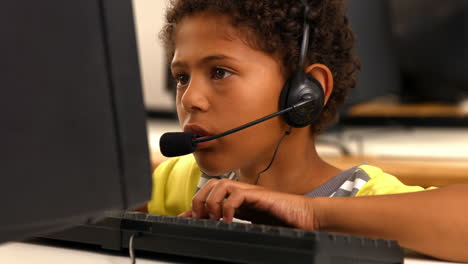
[
  {"x": 182, "y": 79},
  {"x": 219, "y": 73}
]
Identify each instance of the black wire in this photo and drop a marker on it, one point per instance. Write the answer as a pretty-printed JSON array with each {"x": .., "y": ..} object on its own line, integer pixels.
[
  {"x": 274, "y": 154},
  {"x": 131, "y": 248}
]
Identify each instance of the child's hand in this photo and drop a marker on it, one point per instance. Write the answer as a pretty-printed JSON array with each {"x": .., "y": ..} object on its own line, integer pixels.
[{"x": 228, "y": 199}]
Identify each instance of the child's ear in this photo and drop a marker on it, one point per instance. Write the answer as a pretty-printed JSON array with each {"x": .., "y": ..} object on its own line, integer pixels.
[{"x": 324, "y": 76}]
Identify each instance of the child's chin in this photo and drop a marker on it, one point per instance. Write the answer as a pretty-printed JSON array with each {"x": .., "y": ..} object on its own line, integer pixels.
[
  {"x": 211, "y": 167},
  {"x": 213, "y": 171}
]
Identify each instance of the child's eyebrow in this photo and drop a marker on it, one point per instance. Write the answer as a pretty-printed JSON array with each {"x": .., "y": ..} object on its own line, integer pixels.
[{"x": 204, "y": 60}]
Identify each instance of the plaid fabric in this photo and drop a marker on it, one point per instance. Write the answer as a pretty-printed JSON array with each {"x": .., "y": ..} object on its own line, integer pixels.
[{"x": 345, "y": 184}]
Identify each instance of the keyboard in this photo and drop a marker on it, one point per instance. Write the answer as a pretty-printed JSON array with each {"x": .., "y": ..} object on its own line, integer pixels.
[{"x": 229, "y": 242}]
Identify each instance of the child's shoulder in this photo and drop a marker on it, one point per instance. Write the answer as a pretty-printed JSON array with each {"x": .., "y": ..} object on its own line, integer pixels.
[
  {"x": 177, "y": 171},
  {"x": 380, "y": 182},
  {"x": 174, "y": 183},
  {"x": 177, "y": 164}
]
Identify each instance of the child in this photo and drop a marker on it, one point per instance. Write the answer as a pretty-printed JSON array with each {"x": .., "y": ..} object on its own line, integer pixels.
[{"x": 231, "y": 60}]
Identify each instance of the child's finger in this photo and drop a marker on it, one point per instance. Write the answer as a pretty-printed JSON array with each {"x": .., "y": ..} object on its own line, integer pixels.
[
  {"x": 221, "y": 191},
  {"x": 215, "y": 199},
  {"x": 186, "y": 214},
  {"x": 199, "y": 209},
  {"x": 230, "y": 205}
]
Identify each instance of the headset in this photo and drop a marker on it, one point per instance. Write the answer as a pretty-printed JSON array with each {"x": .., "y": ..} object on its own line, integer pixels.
[{"x": 302, "y": 87}]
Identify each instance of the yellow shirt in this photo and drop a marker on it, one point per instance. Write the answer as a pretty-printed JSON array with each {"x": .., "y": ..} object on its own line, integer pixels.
[
  {"x": 382, "y": 183},
  {"x": 175, "y": 182}
]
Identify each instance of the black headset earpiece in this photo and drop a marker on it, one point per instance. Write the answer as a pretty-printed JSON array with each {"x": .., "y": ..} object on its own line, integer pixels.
[{"x": 301, "y": 87}]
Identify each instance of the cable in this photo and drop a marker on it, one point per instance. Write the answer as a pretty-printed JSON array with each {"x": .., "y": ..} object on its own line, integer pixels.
[
  {"x": 131, "y": 249},
  {"x": 288, "y": 132}
]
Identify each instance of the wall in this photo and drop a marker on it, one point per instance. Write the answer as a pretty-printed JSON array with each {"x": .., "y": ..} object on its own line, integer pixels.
[{"x": 149, "y": 19}]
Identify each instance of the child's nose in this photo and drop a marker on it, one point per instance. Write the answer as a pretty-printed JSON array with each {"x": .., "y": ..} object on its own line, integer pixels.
[{"x": 194, "y": 98}]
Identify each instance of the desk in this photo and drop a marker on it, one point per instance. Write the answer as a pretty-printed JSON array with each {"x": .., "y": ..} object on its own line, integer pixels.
[
  {"x": 25, "y": 253},
  {"x": 417, "y": 156},
  {"x": 392, "y": 109}
]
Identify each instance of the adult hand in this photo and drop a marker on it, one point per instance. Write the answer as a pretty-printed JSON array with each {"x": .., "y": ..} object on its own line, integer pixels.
[{"x": 228, "y": 199}]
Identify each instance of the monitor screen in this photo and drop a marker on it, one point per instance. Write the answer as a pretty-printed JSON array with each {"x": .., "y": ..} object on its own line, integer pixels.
[
  {"x": 431, "y": 38},
  {"x": 379, "y": 75},
  {"x": 415, "y": 50},
  {"x": 73, "y": 140}
]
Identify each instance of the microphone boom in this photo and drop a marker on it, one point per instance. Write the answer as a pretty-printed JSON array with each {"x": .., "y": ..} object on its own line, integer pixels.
[{"x": 174, "y": 144}]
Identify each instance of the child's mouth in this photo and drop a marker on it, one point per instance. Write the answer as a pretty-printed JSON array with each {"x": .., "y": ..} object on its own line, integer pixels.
[{"x": 199, "y": 136}]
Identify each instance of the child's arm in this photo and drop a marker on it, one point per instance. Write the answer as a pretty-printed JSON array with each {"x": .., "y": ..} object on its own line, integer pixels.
[
  {"x": 432, "y": 222},
  {"x": 142, "y": 208}
]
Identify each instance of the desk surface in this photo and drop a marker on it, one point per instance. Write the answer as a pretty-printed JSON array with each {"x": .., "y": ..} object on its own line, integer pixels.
[
  {"x": 390, "y": 109},
  {"x": 26, "y": 253}
]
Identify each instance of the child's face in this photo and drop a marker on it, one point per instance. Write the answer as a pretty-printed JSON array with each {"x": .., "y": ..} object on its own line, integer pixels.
[{"x": 224, "y": 83}]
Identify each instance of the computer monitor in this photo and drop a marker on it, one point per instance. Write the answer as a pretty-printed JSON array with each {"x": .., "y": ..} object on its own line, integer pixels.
[
  {"x": 431, "y": 39},
  {"x": 73, "y": 140},
  {"x": 379, "y": 75}
]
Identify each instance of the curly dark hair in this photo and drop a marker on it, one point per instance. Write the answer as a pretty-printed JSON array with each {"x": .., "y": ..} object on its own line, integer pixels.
[{"x": 276, "y": 27}]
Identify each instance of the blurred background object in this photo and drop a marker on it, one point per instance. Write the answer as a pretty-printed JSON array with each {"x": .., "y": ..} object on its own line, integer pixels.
[
  {"x": 414, "y": 63},
  {"x": 380, "y": 71},
  {"x": 158, "y": 84},
  {"x": 431, "y": 38}
]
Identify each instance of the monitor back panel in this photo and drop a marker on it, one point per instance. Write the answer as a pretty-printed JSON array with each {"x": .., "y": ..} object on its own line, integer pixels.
[{"x": 72, "y": 136}]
